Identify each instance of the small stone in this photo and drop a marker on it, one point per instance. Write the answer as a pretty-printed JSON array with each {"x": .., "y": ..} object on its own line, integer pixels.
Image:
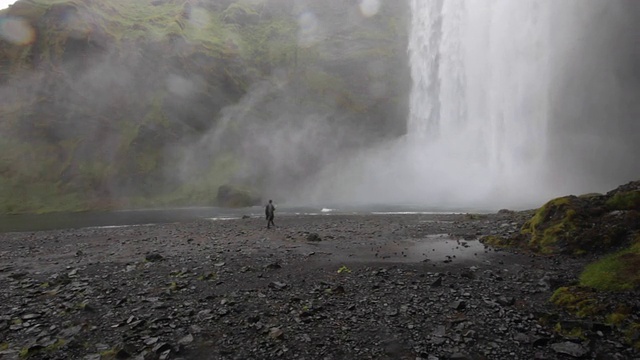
[
  {"x": 570, "y": 348},
  {"x": 161, "y": 348},
  {"x": 522, "y": 338},
  {"x": 437, "y": 282},
  {"x": 540, "y": 341},
  {"x": 273, "y": 266},
  {"x": 276, "y": 333},
  {"x": 195, "y": 329},
  {"x": 188, "y": 339},
  {"x": 467, "y": 275},
  {"x": 71, "y": 332},
  {"x": 150, "y": 341},
  {"x": 314, "y": 237},
  {"x": 153, "y": 257},
  {"x": 392, "y": 312},
  {"x": 277, "y": 285},
  {"x": 459, "y": 356},
  {"x": 440, "y": 331},
  {"x": 165, "y": 354},
  {"x": 30, "y": 316},
  {"x": 458, "y": 305},
  {"x": 506, "y": 301},
  {"x": 123, "y": 354}
]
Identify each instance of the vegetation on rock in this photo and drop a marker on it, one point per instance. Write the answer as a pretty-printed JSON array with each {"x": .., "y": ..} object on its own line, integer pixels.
[
  {"x": 580, "y": 225},
  {"x": 113, "y": 104},
  {"x": 615, "y": 272},
  {"x": 605, "y": 226}
]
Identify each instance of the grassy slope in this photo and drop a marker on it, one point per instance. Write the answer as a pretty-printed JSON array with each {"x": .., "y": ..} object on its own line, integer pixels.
[
  {"x": 42, "y": 171},
  {"x": 30, "y": 175}
]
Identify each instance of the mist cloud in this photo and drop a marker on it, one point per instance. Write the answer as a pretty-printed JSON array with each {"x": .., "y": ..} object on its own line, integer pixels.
[{"x": 513, "y": 103}]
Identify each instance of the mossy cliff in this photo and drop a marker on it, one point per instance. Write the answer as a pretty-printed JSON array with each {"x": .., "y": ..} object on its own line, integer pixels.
[
  {"x": 103, "y": 102},
  {"x": 601, "y": 227}
]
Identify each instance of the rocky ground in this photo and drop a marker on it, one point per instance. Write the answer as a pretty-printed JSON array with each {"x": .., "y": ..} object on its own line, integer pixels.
[{"x": 316, "y": 287}]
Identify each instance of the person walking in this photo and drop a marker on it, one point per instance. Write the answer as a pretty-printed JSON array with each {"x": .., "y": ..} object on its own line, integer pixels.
[{"x": 269, "y": 211}]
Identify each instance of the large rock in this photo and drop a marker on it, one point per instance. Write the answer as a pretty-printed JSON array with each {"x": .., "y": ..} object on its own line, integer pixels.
[
  {"x": 236, "y": 197},
  {"x": 580, "y": 224}
]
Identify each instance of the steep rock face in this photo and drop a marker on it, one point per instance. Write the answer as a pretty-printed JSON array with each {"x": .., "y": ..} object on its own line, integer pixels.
[{"x": 120, "y": 103}]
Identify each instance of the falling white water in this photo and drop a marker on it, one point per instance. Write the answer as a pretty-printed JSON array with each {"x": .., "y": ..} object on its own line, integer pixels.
[
  {"x": 480, "y": 95},
  {"x": 480, "y": 109}
]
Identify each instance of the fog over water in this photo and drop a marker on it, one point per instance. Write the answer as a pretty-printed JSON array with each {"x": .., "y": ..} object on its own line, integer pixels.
[{"x": 512, "y": 102}]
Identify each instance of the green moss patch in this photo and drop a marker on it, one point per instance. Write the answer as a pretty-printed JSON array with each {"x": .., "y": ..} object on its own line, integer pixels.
[
  {"x": 552, "y": 228},
  {"x": 626, "y": 200},
  {"x": 577, "y": 300},
  {"x": 498, "y": 241},
  {"x": 615, "y": 272}
]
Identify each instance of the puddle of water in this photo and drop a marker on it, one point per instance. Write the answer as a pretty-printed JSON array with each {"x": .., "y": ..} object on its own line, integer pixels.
[
  {"x": 436, "y": 248},
  {"x": 440, "y": 248}
]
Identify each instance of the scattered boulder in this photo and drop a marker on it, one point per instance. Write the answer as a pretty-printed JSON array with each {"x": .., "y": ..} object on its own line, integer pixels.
[
  {"x": 154, "y": 257},
  {"x": 276, "y": 333},
  {"x": 313, "y": 237},
  {"x": 186, "y": 340},
  {"x": 579, "y": 225}
]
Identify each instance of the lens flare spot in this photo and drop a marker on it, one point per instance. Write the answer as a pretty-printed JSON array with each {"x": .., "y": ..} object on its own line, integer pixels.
[
  {"x": 17, "y": 31},
  {"x": 308, "y": 29},
  {"x": 199, "y": 18},
  {"x": 180, "y": 86},
  {"x": 369, "y": 8}
]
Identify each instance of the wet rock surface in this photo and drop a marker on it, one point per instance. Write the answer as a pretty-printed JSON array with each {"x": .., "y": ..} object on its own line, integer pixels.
[{"x": 375, "y": 287}]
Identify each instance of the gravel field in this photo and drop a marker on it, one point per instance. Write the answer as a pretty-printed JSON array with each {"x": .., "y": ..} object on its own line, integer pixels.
[{"x": 316, "y": 287}]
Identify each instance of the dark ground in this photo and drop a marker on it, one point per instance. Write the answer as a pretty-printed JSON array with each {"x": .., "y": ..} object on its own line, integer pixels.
[{"x": 374, "y": 287}]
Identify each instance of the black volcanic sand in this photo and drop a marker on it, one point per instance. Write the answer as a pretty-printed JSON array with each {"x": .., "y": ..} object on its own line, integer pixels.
[{"x": 374, "y": 287}]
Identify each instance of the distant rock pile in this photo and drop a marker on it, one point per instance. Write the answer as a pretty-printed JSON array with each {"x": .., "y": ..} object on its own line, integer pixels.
[{"x": 236, "y": 197}]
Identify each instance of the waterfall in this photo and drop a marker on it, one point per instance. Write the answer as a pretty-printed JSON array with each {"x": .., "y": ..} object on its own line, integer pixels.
[
  {"x": 512, "y": 103},
  {"x": 480, "y": 85}
]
